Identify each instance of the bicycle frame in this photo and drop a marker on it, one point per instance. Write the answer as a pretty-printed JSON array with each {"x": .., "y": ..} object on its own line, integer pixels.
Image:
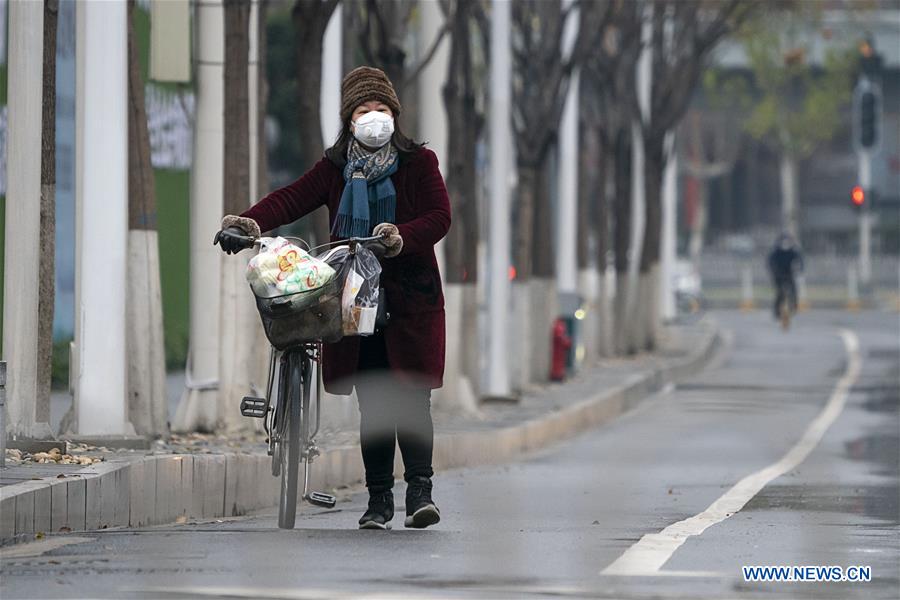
[{"x": 289, "y": 382}]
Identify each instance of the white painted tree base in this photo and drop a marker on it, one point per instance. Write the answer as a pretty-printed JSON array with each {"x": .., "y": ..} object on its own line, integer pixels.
[
  {"x": 519, "y": 335},
  {"x": 240, "y": 346},
  {"x": 621, "y": 314},
  {"x": 645, "y": 311},
  {"x": 544, "y": 310},
  {"x": 457, "y": 395},
  {"x": 588, "y": 289},
  {"x": 147, "y": 403}
]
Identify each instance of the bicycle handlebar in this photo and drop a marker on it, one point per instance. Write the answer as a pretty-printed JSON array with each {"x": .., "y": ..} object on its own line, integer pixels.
[{"x": 365, "y": 241}]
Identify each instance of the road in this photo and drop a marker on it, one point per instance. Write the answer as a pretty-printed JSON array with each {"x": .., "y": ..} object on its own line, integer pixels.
[{"x": 818, "y": 471}]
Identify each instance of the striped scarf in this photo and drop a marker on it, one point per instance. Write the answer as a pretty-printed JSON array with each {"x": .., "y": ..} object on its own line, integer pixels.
[{"x": 369, "y": 197}]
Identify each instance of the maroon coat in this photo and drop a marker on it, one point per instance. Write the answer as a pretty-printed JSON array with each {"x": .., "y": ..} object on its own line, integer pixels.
[{"x": 415, "y": 336}]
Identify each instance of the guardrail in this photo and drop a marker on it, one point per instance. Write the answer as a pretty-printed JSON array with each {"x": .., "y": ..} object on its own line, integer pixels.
[{"x": 819, "y": 270}]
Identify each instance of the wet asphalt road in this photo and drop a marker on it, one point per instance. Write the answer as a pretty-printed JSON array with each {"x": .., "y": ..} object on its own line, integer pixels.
[{"x": 549, "y": 526}]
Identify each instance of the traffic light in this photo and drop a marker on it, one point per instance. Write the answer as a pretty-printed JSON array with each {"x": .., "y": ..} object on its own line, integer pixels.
[
  {"x": 868, "y": 119},
  {"x": 858, "y": 196}
]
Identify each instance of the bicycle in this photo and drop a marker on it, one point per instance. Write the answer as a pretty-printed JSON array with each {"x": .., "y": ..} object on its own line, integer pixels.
[
  {"x": 288, "y": 424},
  {"x": 786, "y": 303}
]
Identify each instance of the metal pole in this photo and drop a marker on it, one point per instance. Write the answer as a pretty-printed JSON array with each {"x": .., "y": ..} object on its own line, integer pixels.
[
  {"x": 567, "y": 185},
  {"x": 853, "y": 302},
  {"x": 498, "y": 241},
  {"x": 23, "y": 203},
  {"x": 2, "y": 413},
  {"x": 747, "y": 288},
  {"x": 101, "y": 391},
  {"x": 332, "y": 57},
  {"x": 802, "y": 293},
  {"x": 865, "y": 219}
]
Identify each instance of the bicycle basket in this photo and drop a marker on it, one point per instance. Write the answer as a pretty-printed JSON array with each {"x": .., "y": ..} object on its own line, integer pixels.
[{"x": 308, "y": 316}]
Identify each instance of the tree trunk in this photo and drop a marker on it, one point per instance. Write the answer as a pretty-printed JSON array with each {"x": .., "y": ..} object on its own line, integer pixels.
[
  {"x": 459, "y": 102},
  {"x": 524, "y": 220},
  {"x": 198, "y": 407},
  {"x": 589, "y": 195},
  {"x": 522, "y": 342},
  {"x": 234, "y": 366},
  {"x": 262, "y": 90},
  {"x": 542, "y": 248},
  {"x": 533, "y": 255},
  {"x": 789, "y": 195},
  {"x": 236, "y": 107},
  {"x": 46, "y": 282},
  {"x": 147, "y": 396},
  {"x": 622, "y": 235},
  {"x": 261, "y": 364},
  {"x": 604, "y": 191},
  {"x": 542, "y": 285},
  {"x": 461, "y": 245},
  {"x": 310, "y": 18},
  {"x": 654, "y": 165}
]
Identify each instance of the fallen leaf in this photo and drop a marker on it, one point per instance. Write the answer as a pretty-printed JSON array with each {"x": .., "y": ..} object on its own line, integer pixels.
[
  {"x": 61, "y": 476},
  {"x": 39, "y": 535},
  {"x": 65, "y": 529},
  {"x": 181, "y": 519}
]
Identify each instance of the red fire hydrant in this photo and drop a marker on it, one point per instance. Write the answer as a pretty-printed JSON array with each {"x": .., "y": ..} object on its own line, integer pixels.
[{"x": 561, "y": 342}]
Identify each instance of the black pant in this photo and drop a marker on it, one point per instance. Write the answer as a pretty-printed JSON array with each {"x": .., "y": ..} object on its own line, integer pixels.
[
  {"x": 785, "y": 287},
  {"x": 391, "y": 412}
]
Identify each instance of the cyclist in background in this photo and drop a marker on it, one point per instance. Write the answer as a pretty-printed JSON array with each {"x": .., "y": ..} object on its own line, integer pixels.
[
  {"x": 376, "y": 181},
  {"x": 784, "y": 261}
]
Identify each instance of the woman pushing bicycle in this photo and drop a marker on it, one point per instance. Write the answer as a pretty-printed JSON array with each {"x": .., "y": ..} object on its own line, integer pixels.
[{"x": 376, "y": 181}]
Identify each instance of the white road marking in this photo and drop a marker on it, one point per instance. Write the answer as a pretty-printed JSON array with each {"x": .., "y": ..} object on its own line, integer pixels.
[{"x": 651, "y": 552}]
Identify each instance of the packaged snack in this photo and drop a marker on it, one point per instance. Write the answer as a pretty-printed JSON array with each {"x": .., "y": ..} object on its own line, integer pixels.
[{"x": 282, "y": 268}]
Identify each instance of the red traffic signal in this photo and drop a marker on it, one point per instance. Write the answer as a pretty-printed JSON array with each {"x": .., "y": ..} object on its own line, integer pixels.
[{"x": 858, "y": 195}]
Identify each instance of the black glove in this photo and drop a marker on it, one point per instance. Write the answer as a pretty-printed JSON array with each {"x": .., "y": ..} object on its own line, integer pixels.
[{"x": 233, "y": 240}]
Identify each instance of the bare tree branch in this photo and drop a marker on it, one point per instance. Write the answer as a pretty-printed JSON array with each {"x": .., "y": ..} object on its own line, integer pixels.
[{"x": 417, "y": 70}]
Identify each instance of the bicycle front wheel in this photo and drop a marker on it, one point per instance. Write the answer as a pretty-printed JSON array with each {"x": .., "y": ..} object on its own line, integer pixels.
[{"x": 290, "y": 443}]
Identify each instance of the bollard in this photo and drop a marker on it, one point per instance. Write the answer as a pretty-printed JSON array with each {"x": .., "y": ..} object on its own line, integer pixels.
[
  {"x": 2, "y": 413},
  {"x": 802, "y": 295},
  {"x": 853, "y": 302},
  {"x": 747, "y": 288}
]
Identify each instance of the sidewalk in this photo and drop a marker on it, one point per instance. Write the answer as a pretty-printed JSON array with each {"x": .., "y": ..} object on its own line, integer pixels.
[{"x": 204, "y": 477}]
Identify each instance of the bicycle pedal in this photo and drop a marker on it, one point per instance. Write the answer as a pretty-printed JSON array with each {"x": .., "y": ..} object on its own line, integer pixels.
[
  {"x": 254, "y": 407},
  {"x": 320, "y": 499}
]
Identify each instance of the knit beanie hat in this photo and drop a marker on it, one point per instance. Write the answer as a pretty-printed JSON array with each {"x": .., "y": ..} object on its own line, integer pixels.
[{"x": 363, "y": 84}]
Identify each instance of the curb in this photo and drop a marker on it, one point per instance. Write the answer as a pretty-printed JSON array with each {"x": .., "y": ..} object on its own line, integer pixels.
[{"x": 157, "y": 490}]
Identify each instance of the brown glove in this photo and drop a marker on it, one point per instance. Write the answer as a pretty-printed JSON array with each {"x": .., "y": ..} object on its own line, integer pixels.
[{"x": 390, "y": 238}]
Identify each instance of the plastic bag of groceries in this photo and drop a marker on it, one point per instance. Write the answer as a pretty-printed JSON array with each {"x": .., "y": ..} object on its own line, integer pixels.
[
  {"x": 282, "y": 268},
  {"x": 360, "y": 273}
]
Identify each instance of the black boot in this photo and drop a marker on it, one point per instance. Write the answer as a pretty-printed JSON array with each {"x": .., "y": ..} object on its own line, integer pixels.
[
  {"x": 420, "y": 509},
  {"x": 380, "y": 511}
]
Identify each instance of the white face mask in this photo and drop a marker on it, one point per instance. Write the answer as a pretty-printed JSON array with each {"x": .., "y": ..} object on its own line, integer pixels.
[{"x": 374, "y": 129}]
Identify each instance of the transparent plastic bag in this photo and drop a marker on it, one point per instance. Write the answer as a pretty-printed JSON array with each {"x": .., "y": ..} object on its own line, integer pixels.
[
  {"x": 360, "y": 274},
  {"x": 282, "y": 268}
]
